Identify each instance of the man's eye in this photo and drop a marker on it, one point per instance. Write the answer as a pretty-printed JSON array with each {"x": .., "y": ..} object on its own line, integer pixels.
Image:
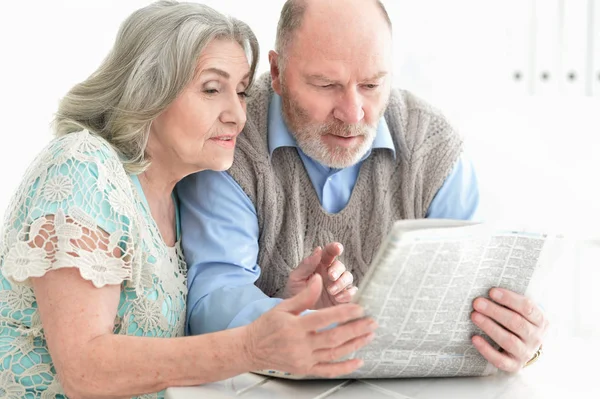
[
  {"x": 371, "y": 86},
  {"x": 211, "y": 91}
]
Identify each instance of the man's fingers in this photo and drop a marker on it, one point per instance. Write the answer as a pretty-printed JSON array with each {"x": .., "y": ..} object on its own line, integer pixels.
[
  {"x": 344, "y": 281},
  {"x": 340, "y": 335},
  {"x": 333, "y": 354},
  {"x": 336, "y": 270},
  {"x": 331, "y": 370},
  {"x": 346, "y": 295},
  {"x": 339, "y": 314},
  {"x": 507, "y": 340},
  {"x": 306, "y": 299},
  {"x": 330, "y": 252},
  {"x": 519, "y": 303},
  {"x": 308, "y": 266},
  {"x": 501, "y": 360},
  {"x": 511, "y": 320}
]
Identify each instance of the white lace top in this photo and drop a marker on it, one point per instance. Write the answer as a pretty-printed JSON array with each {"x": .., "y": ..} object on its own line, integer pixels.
[{"x": 77, "y": 207}]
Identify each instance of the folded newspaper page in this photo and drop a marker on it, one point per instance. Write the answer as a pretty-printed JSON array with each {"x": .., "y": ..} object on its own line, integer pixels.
[{"x": 421, "y": 286}]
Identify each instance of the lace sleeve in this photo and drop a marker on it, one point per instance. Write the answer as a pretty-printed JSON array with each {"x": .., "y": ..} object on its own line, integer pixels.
[{"x": 74, "y": 209}]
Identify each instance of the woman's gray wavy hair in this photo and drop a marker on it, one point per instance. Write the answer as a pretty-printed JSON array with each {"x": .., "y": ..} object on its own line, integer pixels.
[{"x": 154, "y": 57}]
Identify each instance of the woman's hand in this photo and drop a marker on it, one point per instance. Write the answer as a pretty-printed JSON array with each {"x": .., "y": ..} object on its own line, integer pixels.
[{"x": 283, "y": 340}]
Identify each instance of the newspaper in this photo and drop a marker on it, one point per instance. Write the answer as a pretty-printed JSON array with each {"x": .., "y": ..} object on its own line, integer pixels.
[{"x": 421, "y": 286}]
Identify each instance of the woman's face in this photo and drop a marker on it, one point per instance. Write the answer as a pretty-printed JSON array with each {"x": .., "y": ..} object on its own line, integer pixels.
[{"x": 198, "y": 130}]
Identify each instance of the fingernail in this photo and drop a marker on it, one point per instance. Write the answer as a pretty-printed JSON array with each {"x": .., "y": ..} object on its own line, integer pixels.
[
  {"x": 335, "y": 274},
  {"x": 314, "y": 252},
  {"x": 373, "y": 326},
  {"x": 333, "y": 289},
  {"x": 370, "y": 338},
  {"x": 480, "y": 304},
  {"x": 477, "y": 317},
  {"x": 496, "y": 294}
]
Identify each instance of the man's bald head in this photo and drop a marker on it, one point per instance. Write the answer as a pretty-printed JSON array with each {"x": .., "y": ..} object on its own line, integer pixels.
[{"x": 294, "y": 12}]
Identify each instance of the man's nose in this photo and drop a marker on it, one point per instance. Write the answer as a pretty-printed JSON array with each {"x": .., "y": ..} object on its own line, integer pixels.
[{"x": 350, "y": 108}]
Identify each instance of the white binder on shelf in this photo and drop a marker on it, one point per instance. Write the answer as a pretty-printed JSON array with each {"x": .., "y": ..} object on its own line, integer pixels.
[
  {"x": 546, "y": 51},
  {"x": 519, "y": 51},
  {"x": 519, "y": 29},
  {"x": 574, "y": 35},
  {"x": 595, "y": 46}
]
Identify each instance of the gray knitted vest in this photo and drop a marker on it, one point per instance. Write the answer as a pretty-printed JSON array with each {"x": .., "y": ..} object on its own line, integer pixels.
[{"x": 290, "y": 217}]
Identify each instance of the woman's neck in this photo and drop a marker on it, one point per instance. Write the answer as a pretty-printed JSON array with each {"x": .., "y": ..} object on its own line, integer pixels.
[{"x": 158, "y": 182}]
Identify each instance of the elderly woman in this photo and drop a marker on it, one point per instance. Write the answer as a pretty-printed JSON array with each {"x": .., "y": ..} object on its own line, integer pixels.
[{"x": 93, "y": 282}]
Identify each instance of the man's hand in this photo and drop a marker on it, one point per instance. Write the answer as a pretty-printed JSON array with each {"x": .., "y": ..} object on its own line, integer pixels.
[
  {"x": 337, "y": 281},
  {"x": 514, "y": 322}
]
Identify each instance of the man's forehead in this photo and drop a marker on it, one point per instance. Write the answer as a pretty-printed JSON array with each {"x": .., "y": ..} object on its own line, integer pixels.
[
  {"x": 367, "y": 43},
  {"x": 373, "y": 63},
  {"x": 331, "y": 46}
]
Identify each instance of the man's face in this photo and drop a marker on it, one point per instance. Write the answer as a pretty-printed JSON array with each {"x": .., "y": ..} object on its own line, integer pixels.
[{"x": 336, "y": 83}]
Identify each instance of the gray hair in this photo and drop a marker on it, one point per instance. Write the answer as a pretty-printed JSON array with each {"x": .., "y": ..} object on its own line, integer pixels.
[
  {"x": 290, "y": 21},
  {"x": 154, "y": 57}
]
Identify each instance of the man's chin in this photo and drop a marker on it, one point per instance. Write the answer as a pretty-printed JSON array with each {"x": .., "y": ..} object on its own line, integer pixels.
[
  {"x": 334, "y": 156},
  {"x": 341, "y": 161}
]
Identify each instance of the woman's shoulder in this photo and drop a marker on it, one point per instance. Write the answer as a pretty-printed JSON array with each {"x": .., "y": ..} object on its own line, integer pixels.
[
  {"x": 78, "y": 155},
  {"x": 81, "y": 145},
  {"x": 76, "y": 171}
]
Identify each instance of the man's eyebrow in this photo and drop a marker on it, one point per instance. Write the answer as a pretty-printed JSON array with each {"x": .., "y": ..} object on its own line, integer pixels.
[
  {"x": 324, "y": 78},
  {"x": 223, "y": 73},
  {"x": 377, "y": 76},
  {"x": 321, "y": 77}
]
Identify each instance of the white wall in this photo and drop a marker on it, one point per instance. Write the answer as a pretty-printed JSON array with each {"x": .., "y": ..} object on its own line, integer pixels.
[{"x": 535, "y": 144}]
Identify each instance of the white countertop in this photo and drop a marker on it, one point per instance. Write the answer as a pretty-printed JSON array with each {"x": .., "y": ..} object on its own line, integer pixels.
[{"x": 567, "y": 369}]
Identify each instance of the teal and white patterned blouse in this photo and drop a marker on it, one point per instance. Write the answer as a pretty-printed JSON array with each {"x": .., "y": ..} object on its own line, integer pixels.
[{"x": 74, "y": 193}]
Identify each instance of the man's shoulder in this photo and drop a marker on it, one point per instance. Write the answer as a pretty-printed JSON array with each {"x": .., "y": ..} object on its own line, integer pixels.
[
  {"x": 414, "y": 121},
  {"x": 405, "y": 101}
]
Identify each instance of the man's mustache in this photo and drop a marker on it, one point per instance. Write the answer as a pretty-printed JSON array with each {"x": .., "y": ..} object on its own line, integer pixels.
[{"x": 345, "y": 130}]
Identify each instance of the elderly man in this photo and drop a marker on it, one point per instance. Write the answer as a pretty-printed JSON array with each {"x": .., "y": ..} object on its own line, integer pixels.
[{"x": 331, "y": 153}]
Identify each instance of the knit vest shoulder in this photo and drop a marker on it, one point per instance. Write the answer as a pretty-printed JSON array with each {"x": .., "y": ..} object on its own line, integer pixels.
[{"x": 292, "y": 221}]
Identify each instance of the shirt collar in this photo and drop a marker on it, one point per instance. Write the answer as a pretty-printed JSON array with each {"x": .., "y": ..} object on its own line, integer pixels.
[{"x": 279, "y": 135}]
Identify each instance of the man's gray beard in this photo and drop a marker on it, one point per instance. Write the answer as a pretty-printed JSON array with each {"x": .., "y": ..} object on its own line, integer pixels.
[{"x": 309, "y": 137}]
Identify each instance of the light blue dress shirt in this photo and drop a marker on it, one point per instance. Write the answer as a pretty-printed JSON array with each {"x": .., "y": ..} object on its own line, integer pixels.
[{"x": 220, "y": 228}]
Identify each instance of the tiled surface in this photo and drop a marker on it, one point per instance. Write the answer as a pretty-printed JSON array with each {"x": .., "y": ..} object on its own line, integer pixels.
[{"x": 566, "y": 370}]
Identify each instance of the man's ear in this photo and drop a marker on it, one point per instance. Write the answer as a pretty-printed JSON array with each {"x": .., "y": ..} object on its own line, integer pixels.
[{"x": 275, "y": 72}]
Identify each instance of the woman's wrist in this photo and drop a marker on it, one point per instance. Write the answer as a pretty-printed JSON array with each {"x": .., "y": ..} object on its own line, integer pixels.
[{"x": 246, "y": 347}]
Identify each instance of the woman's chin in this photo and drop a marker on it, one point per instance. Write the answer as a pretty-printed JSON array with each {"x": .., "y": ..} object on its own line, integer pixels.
[{"x": 220, "y": 165}]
